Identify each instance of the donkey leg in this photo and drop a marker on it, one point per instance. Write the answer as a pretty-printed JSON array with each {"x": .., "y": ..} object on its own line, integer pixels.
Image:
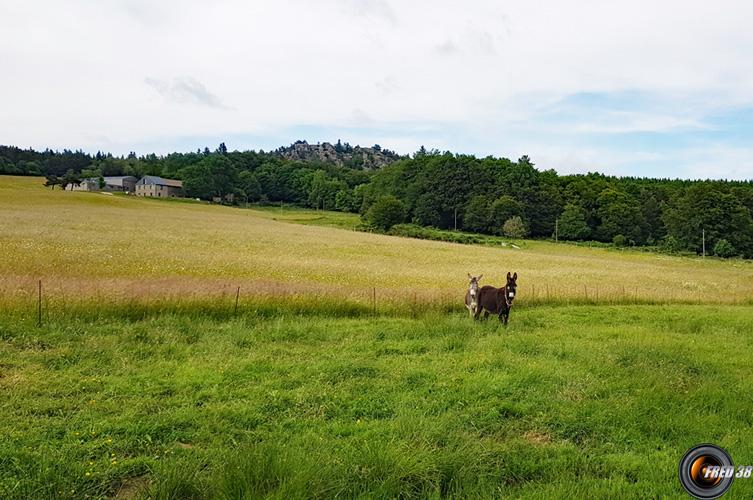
[{"x": 477, "y": 313}]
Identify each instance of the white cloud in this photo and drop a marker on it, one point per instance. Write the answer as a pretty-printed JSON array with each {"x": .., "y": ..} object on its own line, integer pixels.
[
  {"x": 185, "y": 90},
  {"x": 75, "y": 72}
]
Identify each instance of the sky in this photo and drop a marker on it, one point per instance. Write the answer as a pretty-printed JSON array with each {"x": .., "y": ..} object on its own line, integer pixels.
[{"x": 659, "y": 89}]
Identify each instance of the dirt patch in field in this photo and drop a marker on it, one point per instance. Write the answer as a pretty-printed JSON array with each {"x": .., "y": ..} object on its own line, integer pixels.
[
  {"x": 537, "y": 438},
  {"x": 131, "y": 488}
]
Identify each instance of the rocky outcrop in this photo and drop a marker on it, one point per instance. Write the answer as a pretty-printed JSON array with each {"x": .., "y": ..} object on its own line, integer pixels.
[{"x": 358, "y": 157}]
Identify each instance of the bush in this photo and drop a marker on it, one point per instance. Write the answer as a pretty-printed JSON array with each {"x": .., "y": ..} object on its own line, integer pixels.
[
  {"x": 619, "y": 240},
  {"x": 671, "y": 244},
  {"x": 385, "y": 213},
  {"x": 502, "y": 210},
  {"x": 514, "y": 228},
  {"x": 724, "y": 248}
]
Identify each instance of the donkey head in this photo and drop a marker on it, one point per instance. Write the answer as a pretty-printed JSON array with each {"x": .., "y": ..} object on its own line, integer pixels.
[
  {"x": 511, "y": 288},
  {"x": 473, "y": 284}
]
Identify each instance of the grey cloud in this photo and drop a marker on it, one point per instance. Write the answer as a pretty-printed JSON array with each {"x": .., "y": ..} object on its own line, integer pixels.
[
  {"x": 472, "y": 41},
  {"x": 387, "y": 86},
  {"x": 185, "y": 90},
  {"x": 359, "y": 118},
  {"x": 446, "y": 48},
  {"x": 371, "y": 8},
  {"x": 486, "y": 43}
]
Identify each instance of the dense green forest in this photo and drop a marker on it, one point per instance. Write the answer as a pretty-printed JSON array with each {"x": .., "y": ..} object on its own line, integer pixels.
[{"x": 442, "y": 190}]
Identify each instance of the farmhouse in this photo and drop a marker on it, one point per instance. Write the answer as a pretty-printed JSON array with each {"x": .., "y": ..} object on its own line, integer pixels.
[
  {"x": 152, "y": 185},
  {"x": 118, "y": 184},
  {"x": 123, "y": 183}
]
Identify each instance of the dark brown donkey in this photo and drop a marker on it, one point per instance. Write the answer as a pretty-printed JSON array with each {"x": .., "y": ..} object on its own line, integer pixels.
[{"x": 497, "y": 300}]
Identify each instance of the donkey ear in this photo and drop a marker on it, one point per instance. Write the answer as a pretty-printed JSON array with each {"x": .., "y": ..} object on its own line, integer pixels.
[
  {"x": 479, "y": 277},
  {"x": 469, "y": 275},
  {"x": 515, "y": 276},
  {"x": 508, "y": 275}
]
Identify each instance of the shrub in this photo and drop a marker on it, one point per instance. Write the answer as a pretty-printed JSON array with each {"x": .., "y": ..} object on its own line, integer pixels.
[
  {"x": 619, "y": 240},
  {"x": 502, "y": 210},
  {"x": 724, "y": 248},
  {"x": 514, "y": 228},
  {"x": 671, "y": 244},
  {"x": 385, "y": 213}
]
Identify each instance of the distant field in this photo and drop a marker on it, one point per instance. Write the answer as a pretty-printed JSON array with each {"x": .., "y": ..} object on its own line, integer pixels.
[
  {"x": 567, "y": 402},
  {"x": 118, "y": 248}
]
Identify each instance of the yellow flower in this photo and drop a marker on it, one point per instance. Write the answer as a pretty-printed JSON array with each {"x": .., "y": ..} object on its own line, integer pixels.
[{"x": 88, "y": 473}]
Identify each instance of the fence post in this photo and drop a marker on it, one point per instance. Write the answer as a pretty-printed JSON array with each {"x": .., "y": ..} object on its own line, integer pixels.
[
  {"x": 39, "y": 305},
  {"x": 373, "y": 299},
  {"x": 237, "y": 294}
]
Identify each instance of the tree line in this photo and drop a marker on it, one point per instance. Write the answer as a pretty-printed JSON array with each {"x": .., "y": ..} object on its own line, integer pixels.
[{"x": 447, "y": 191}]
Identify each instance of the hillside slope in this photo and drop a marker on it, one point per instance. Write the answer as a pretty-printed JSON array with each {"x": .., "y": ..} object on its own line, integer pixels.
[{"x": 90, "y": 244}]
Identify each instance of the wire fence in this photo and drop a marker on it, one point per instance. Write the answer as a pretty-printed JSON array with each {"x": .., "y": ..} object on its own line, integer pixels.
[{"x": 233, "y": 299}]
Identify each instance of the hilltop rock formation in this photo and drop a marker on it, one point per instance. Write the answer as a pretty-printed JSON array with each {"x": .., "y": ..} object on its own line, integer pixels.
[{"x": 357, "y": 157}]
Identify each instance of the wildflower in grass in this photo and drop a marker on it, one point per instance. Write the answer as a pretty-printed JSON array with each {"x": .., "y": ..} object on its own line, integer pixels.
[
  {"x": 109, "y": 440},
  {"x": 88, "y": 473}
]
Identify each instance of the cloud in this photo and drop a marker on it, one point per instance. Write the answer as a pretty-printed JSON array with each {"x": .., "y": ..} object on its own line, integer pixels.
[
  {"x": 379, "y": 9},
  {"x": 387, "y": 85},
  {"x": 579, "y": 85},
  {"x": 185, "y": 90},
  {"x": 446, "y": 48}
]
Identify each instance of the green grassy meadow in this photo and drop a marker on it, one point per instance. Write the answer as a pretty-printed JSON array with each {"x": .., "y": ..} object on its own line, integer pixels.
[
  {"x": 145, "y": 380},
  {"x": 566, "y": 402}
]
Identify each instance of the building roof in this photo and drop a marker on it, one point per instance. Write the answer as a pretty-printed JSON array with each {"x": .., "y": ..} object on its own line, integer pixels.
[
  {"x": 118, "y": 180},
  {"x": 153, "y": 179}
]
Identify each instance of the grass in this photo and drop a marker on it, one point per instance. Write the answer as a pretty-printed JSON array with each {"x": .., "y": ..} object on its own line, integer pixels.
[
  {"x": 147, "y": 380},
  {"x": 586, "y": 401},
  {"x": 297, "y": 215},
  {"x": 88, "y": 246}
]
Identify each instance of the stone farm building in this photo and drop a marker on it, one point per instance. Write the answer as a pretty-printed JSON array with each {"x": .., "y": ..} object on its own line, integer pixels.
[
  {"x": 118, "y": 184},
  {"x": 151, "y": 185}
]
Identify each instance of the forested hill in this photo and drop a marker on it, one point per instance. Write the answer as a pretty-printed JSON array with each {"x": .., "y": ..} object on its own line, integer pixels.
[{"x": 444, "y": 190}]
